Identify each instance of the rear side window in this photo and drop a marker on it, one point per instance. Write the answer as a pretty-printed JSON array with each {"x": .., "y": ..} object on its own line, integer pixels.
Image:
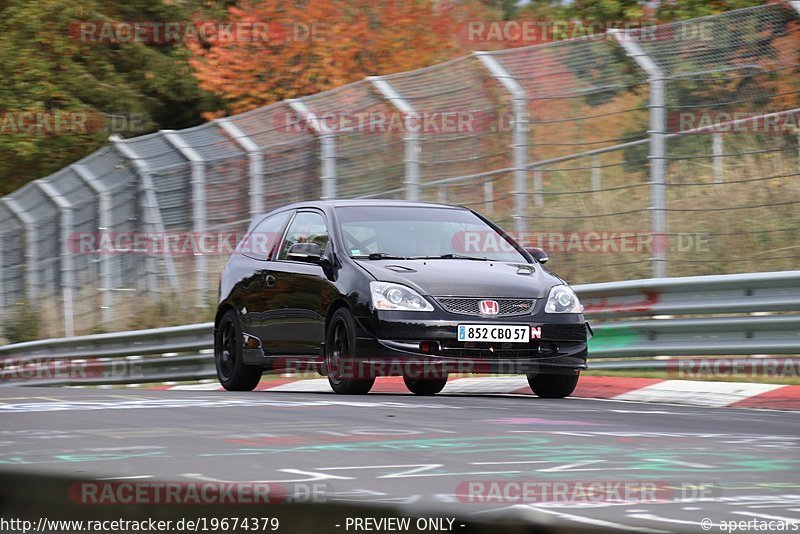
[{"x": 262, "y": 242}]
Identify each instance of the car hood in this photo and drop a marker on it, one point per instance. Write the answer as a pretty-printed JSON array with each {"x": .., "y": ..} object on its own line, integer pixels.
[{"x": 465, "y": 278}]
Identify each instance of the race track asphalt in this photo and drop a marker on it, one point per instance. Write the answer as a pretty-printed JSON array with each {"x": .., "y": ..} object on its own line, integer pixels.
[{"x": 472, "y": 454}]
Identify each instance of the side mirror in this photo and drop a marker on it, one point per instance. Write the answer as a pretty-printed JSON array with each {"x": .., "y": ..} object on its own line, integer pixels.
[
  {"x": 306, "y": 252},
  {"x": 538, "y": 254}
]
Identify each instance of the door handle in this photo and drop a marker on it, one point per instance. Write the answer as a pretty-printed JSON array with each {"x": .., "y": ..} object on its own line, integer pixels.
[{"x": 271, "y": 280}]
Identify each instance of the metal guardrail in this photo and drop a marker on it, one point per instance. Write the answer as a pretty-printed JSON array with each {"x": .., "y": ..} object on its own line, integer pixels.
[
  {"x": 185, "y": 352},
  {"x": 760, "y": 295}
]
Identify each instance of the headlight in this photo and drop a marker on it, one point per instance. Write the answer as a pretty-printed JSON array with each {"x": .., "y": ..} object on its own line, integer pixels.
[
  {"x": 388, "y": 296},
  {"x": 562, "y": 299}
]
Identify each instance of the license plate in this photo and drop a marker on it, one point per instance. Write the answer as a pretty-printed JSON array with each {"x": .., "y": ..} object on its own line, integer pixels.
[{"x": 497, "y": 333}]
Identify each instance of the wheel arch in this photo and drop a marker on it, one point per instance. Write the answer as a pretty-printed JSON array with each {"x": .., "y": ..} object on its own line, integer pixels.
[
  {"x": 334, "y": 307},
  {"x": 222, "y": 309}
]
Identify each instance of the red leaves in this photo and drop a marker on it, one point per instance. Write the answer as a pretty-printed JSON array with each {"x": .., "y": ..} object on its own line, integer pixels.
[{"x": 319, "y": 45}]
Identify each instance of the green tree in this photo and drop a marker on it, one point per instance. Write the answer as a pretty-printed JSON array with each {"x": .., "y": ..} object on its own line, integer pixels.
[
  {"x": 47, "y": 67},
  {"x": 507, "y": 8},
  {"x": 686, "y": 9}
]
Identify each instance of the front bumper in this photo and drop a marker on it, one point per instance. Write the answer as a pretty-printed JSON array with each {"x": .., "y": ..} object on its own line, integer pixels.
[{"x": 403, "y": 346}]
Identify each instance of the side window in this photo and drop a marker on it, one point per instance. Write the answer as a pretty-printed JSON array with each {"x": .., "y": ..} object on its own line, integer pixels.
[
  {"x": 307, "y": 227},
  {"x": 262, "y": 242}
]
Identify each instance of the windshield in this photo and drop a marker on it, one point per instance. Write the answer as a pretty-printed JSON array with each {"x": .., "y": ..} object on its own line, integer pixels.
[{"x": 377, "y": 232}]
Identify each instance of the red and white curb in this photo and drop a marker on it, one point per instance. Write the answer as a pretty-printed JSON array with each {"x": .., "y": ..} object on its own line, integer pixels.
[{"x": 692, "y": 392}]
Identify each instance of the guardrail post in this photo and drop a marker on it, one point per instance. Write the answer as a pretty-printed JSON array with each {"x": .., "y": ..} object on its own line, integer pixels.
[
  {"x": 198, "y": 165},
  {"x": 67, "y": 261},
  {"x": 255, "y": 158},
  {"x": 31, "y": 248},
  {"x": 327, "y": 142},
  {"x": 519, "y": 131},
  {"x": 104, "y": 225},
  {"x": 151, "y": 208},
  {"x": 411, "y": 139},
  {"x": 657, "y": 157}
]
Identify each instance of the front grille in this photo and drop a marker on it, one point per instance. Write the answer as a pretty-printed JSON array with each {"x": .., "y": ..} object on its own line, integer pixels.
[
  {"x": 565, "y": 332},
  {"x": 472, "y": 306}
]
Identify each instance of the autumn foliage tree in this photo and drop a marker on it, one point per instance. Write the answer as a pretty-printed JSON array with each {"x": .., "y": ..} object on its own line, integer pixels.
[
  {"x": 46, "y": 67},
  {"x": 316, "y": 45}
]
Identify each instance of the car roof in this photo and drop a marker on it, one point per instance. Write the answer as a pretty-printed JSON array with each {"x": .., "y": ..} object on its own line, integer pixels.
[{"x": 370, "y": 202}]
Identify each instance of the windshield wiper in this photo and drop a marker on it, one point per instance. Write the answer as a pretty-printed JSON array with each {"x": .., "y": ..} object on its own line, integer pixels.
[
  {"x": 379, "y": 256},
  {"x": 450, "y": 256}
]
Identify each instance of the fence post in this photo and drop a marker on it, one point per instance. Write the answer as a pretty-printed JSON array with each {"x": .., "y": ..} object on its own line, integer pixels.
[
  {"x": 657, "y": 157},
  {"x": 519, "y": 131},
  {"x": 104, "y": 225},
  {"x": 488, "y": 197},
  {"x": 31, "y": 248},
  {"x": 597, "y": 175},
  {"x": 198, "y": 165},
  {"x": 716, "y": 159},
  {"x": 327, "y": 142},
  {"x": 151, "y": 208},
  {"x": 411, "y": 139},
  {"x": 538, "y": 199},
  {"x": 441, "y": 195},
  {"x": 67, "y": 261},
  {"x": 255, "y": 158}
]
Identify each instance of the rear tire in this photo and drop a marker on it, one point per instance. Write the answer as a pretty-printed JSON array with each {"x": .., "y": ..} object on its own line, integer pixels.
[
  {"x": 553, "y": 386},
  {"x": 232, "y": 372},
  {"x": 340, "y": 347},
  {"x": 423, "y": 386}
]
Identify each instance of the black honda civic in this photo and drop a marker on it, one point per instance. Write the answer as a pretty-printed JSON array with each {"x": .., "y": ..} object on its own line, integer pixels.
[{"x": 355, "y": 289}]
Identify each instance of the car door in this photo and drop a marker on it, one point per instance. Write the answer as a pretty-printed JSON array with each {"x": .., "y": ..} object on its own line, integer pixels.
[
  {"x": 302, "y": 328},
  {"x": 263, "y": 284}
]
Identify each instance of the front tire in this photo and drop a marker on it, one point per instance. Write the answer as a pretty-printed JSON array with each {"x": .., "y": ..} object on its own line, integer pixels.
[
  {"x": 232, "y": 372},
  {"x": 340, "y": 348},
  {"x": 553, "y": 386},
  {"x": 422, "y": 386}
]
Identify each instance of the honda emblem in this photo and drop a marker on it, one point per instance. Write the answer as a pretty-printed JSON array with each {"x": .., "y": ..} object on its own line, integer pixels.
[{"x": 490, "y": 307}]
